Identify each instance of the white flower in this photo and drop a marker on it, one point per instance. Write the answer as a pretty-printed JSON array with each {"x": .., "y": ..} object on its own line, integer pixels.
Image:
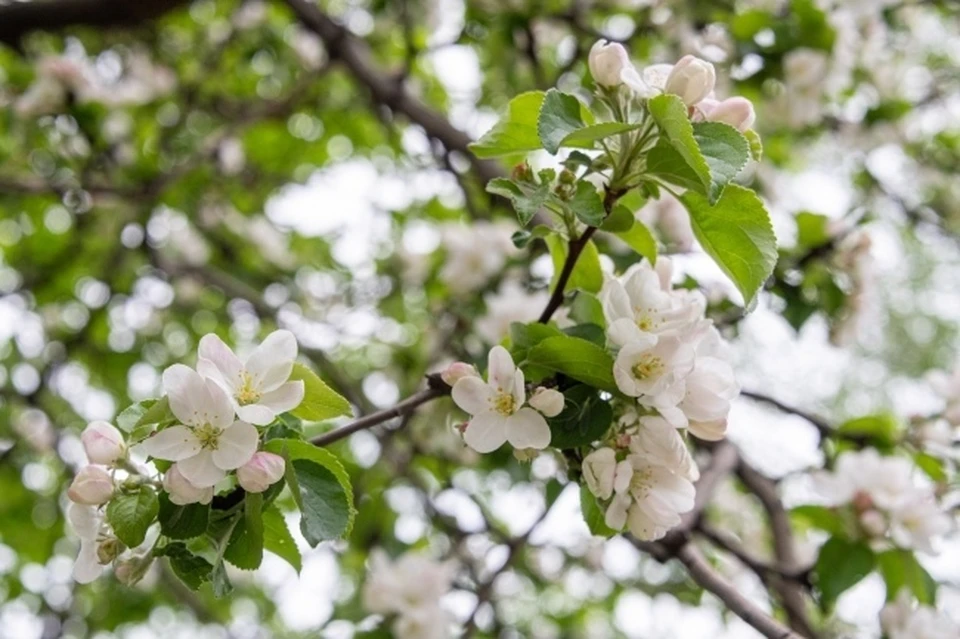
[
  {"x": 947, "y": 386},
  {"x": 208, "y": 443},
  {"x": 475, "y": 254},
  {"x": 457, "y": 371},
  {"x": 737, "y": 112},
  {"x": 886, "y": 481},
  {"x": 103, "y": 443},
  {"x": 497, "y": 407},
  {"x": 661, "y": 443},
  {"x": 604, "y": 475},
  {"x": 411, "y": 588},
  {"x": 257, "y": 387},
  {"x": 182, "y": 492},
  {"x": 548, "y": 401},
  {"x": 642, "y": 368},
  {"x": 607, "y": 62},
  {"x": 653, "y": 502},
  {"x": 899, "y": 619},
  {"x": 805, "y": 68},
  {"x": 511, "y": 303},
  {"x": 709, "y": 389},
  {"x": 918, "y": 521},
  {"x": 692, "y": 79},
  {"x": 88, "y": 523},
  {"x": 92, "y": 486},
  {"x": 262, "y": 471}
]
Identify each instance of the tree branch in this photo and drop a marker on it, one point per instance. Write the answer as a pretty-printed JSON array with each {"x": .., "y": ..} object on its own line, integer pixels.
[
  {"x": 573, "y": 253},
  {"x": 826, "y": 430}
]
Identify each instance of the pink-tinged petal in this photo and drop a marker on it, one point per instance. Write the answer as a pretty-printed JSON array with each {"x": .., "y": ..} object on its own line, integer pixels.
[
  {"x": 173, "y": 444},
  {"x": 219, "y": 410},
  {"x": 528, "y": 429},
  {"x": 473, "y": 395},
  {"x": 215, "y": 352},
  {"x": 256, "y": 414},
  {"x": 87, "y": 566},
  {"x": 500, "y": 369},
  {"x": 285, "y": 398},
  {"x": 709, "y": 431},
  {"x": 236, "y": 446},
  {"x": 270, "y": 364},
  {"x": 200, "y": 470},
  {"x": 187, "y": 392},
  {"x": 486, "y": 432}
]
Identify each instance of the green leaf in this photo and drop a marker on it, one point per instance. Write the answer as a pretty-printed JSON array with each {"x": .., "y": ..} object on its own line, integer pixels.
[
  {"x": 670, "y": 114},
  {"x": 319, "y": 400},
  {"x": 900, "y": 569},
  {"x": 527, "y": 198},
  {"x": 840, "y": 566},
  {"x": 725, "y": 150},
  {"x": 666, "y": 163},
  {"x": 812, "y": 229},
  {"x": 882, "y": 428},
  {"x": 182, "y": 522},
  {"x": 931, "y": 465},
  {"x": 140, "y": 419},
  {"x": 221, "y": 583},
  {"x": 130, "y": 515},
  {"x": 326, "y": 511},
  {"x": 593, "y": 514},
  {"x": 818, "y": 517},
  {"x": 756, "y": 144},
  {"x": 587, "y": 274},
  {"x": 641, "y": 240},
  {"x": 587, "y": 309},
  {"x": 516, "y": 132},
  {"x": 278, "y": 540},
  {"x": 587, "y": 205},
  {"x": 190, "y": 568},
  {"x": 561, "y": 114},
  {"x": 291, "y": 449},
  {"x": 245, "y": 548},
  {"x": 577, "y": 359},
  {"x": 585, "y": 418},
  {"x": 586, "y": 136},
  {"x": 620, "y": 220},
  {"x": 736, "y": 232}
]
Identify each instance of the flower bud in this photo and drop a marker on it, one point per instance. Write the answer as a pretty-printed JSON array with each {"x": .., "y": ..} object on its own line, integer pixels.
[
  {"x": 182, "y": 492},
  {"x": 103, "y": 443},
  {"x": 548, "y": 401},
  {"x": 263, "y": 470},
  {"x": 599, "y": 470},
  {"x": 457, "y": 371},
  {"x": 607, "y": 60},
  {"x": 92, "y": 486},
  {"x": 873, "y": 523},
  {"x": 109, "y": 549},
  {"x": 737, "y": 112},
  {"x": 130, "y": 571},
  {"x": 692, "y": 79}
]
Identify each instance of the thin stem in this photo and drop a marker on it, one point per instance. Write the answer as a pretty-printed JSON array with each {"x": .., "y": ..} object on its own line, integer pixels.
[{"x": 575, "y": 247}]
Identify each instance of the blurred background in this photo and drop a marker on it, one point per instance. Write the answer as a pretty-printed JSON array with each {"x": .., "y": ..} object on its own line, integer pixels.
[{"x": 233, "y": 166}]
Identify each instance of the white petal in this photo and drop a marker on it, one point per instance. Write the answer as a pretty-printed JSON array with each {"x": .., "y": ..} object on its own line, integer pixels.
[
  {"x": 220, "y": 362},
  {"x": 519, "y": 390},
  {"x": 270, "y": 364},
  {"x": 285, "y": 398},
  {"x": 616, "y": 303},
  {"x": 486, "y": 432},
  {"x": 219, "y": 410},
  {"x": 625, "y": 332},
  {"x": 616, "y": 516},
  {"x": 642, "y": 526},
  {"x": 173, "y": 444},
  {"x": 87, "y": 566},
  {"x": 85, "y": 520},
  {"x": 528, "y": 429},
  {"x": 709, "y": 431},
  {"x": 599, "y": 470},
  {"x": 236, "y": 446},
  {"x": 256, "y": 414},
  {"x": 187, "y": 392},
  {"x": 473, "y": 395},
  {"x": 500, "y": 369},
  {"x": 200, "y": 470},
  {"x": 622, "y": 476}
]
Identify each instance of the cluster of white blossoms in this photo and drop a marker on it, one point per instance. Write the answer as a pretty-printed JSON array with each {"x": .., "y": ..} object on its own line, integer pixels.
[
  {"x": 475, "y": 254},
  {"x": 410, "y": 589},
  {"x": 886, "y": 497},
  {"x": 218, "y": 408},
  {"x": 691, "y": 78},
  {"x": 499, "y": 408},
  {"x": 673, "y": 362},
  {"x": 899, "y": 619}
]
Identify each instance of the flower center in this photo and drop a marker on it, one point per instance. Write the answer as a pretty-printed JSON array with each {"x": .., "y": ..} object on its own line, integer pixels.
[
  {"x": 648, "y": 367},
  {"x": 503, "y": 403},
  {"x": 208, "y": 435},
  {"x": 641, "y": 483},
  {"x": 247, "y": 394},
  {"x": 647, "y": 319}
]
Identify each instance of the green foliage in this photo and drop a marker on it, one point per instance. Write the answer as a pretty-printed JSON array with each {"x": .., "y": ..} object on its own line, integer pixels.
[
  {"x": 586, "y": 204},
  {"x": 182, "y": 522},
  {"x": 245, "y": 548},
  {"x": 576, "y": 358},
  {"x": 593, "y": 515},
  {"x": 278, "y": 540},
  {"x": 516, "y": 132},
  {"x": 320, "y": 402},
  {"x": 191, "y": 569},
  {"x": 131, "y": 513},
  {"x": 323, "y": 503},
  {"x": 585, "y": 418},
  {"x": 883, "y": 429},
  {"x": 900, "y": 569},
  {"x": 586, "y": 272},
  {"x": 840, "y": 565},
  {"x": 725, "y": 151},
  {"x": 527, "y": 197},
  {"x": 140, "y": 419},
  {"x": 736, "y": 232},
  {"x": 560, "y": 115},
  {"x": 640, "y": 239}
]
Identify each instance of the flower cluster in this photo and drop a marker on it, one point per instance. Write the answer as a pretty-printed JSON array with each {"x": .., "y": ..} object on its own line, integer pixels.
[
  {"x": 885, "y": 498},
  {"x": 671, "y": 362},
  {"x": 899, "y": 619},
  {"x": 691, "y": 78},
  {"x": 410, "y": 588}
]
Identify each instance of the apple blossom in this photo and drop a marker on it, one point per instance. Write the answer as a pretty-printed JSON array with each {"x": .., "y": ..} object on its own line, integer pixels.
[
  {"x": 92, "y": 486},
  {"x": 736, "y": 111},
  {"x": 208, "y": 442},
  {"x": 708, "y": 391},
  {"x": 182, "y": 492},
  {"x": 262, "y": 471},
  {"x": 510, "y": 303},
  {"x": 652, "y": 366},
  {"x": 947, "y": 386},
  {"x": 603, "y": 474},
  {"x": 87, "y": 522},
  {"x": 258, "y": 387},
  {"x": 607, "y": 62},
  {"x": 548, "y": 401},
  {"x": 900, "y": 619},
  {"x": 692, "y": 79},
  {"x": 103, "y": 443},
  {"x": 653, "y": 502},
  {"x": 411, "y": 588},
  {"x": 457, "y": 371},
  {"x": 497, "y": 407},
  {"x": 661, "y": 443}
]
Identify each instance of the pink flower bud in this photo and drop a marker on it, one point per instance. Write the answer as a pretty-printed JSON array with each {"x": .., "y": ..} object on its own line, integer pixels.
[
  {"x": 263, "y": 470},
  {"x": 607, "y": 60},
  {"x": 103, "y": 443},
  {"x": 737, "y": 112},
  {"x": 874, "y": 523},
  {"x": 182, "y": 492},
  {"x": 457, "y": 371},
  {"x": 692, "y": 79},
  {"x": 548, "y": 401},
  {"x": 92, "y": 486}
]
